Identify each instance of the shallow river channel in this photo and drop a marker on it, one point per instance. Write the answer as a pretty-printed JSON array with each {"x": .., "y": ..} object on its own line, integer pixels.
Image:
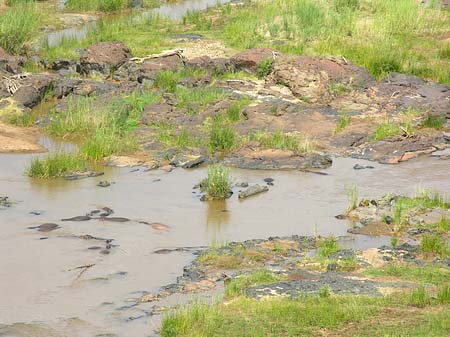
[{"x": 43, "y": 295}]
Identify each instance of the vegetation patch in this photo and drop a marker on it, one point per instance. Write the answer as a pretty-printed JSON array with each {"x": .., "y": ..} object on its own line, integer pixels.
[
  {"x": 285, "y": 141},
  {"x": 433, "y": 274},
  {"x": 19, "y": 25},
  {"x": 97, "y": 5},
  {"x": 55, "y": 165},
  {"x": 217, "y": 185}
]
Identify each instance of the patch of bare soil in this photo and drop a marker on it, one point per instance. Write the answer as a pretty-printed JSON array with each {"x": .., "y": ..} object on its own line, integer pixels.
[{"x": 16, "y": 139}]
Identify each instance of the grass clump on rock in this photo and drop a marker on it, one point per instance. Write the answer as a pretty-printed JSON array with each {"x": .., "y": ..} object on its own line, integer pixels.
[
  {"x": 218, "y": 184},
  {"x": 55, "y": 165}
]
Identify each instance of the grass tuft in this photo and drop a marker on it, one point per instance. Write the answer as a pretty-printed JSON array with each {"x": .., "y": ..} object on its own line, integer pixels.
[
  {"x": 18, "y": 26},
  {"x": 218, "y": 183},
  {"x": 327, "y": 246},
  {"x": 55, "y": 165}
]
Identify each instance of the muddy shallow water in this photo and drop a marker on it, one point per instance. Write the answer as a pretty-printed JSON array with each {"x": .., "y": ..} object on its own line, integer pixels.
[{"x": 36, "y": 280}]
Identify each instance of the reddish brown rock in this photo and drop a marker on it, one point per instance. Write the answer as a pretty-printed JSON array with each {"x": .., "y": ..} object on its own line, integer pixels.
[
  {"x": 252, "y": 58},
  {"x": 312, "y": 78},
  {"x": 104, "y": 57}
]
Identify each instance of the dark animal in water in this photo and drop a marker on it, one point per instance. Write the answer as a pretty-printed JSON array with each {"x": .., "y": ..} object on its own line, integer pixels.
[
  {"x": 78, "y": 218},
  {"x": 114, "y": 219},
  {"x": 46, "y": 227},
  {"x": 156, "y": 226}
]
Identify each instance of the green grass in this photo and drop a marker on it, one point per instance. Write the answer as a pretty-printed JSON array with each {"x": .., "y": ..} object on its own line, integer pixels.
[
  {"x": 102, "y": 130},
  {"x": 97, "y": 5},
  {"x": 435, "y": 244},
  {"x": 327, "y": 246},
  {"x": 264, "y": 68},
  {"x": 385, "y": 130},
  {"x": 235, "y": 110},
  {"x": 433, "y": 274},
  {"x": 352, "y": 196},
  {"x": 55, "y": 165},
  {"x": 238, "y": 285},
  {"x": 343, "y": 122},
  {"x": 217, "y": 185},
  {"x": 432, "y": 121},
  {"x": 132, "y": 31},
  {"x": 194, "y": 99},
  {"x": 175, "y": 138},
  {"x": 419, "y": 297},
  {"x": 285, "y": 141},
  {"x": 18, "y": 26},
  {"x": 382, "y": 36},
  {"x": 424, "y": 200},
  {"x": 220, "y": 134},
  {"x": 272, "y": 317}
]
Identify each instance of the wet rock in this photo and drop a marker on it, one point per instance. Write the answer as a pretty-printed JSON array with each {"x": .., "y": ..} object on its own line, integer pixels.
[
  {"x": 78, "y": 218},
  {"x": 252, "y": 190},
  {"x": 310, "y": 78},
  {"x": 104, "y": 57},
  {"x": 362, "y": 167},
  {"x": 396, "y": 149},
  {"x": 104, "y": 183},
  {"x": 269, "y": 181},
  {"x": 9, "y": 63},
  {"x": 46, "y": 227},
  {"x": 148, "y": 298},
  {"x": 250, "y": 59},
  {"x": 242, "y": 184}
]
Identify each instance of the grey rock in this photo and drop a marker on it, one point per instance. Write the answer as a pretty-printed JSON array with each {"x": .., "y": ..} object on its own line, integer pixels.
[{"x": 252, "y": 190}]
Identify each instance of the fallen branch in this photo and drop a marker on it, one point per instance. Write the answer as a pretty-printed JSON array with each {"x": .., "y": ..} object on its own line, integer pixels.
[
  {"x": 165, "y": 53},
  {"x": 84, "y": 268}
]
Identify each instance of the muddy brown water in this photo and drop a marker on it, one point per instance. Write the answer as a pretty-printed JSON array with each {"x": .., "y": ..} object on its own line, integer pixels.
[{"x": 40, "y": 294}]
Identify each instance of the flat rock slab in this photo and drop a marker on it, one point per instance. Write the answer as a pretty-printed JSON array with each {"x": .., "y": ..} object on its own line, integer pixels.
[
  {"x": 252, "y": 190},
  {"x": 337, "y": 284}
]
